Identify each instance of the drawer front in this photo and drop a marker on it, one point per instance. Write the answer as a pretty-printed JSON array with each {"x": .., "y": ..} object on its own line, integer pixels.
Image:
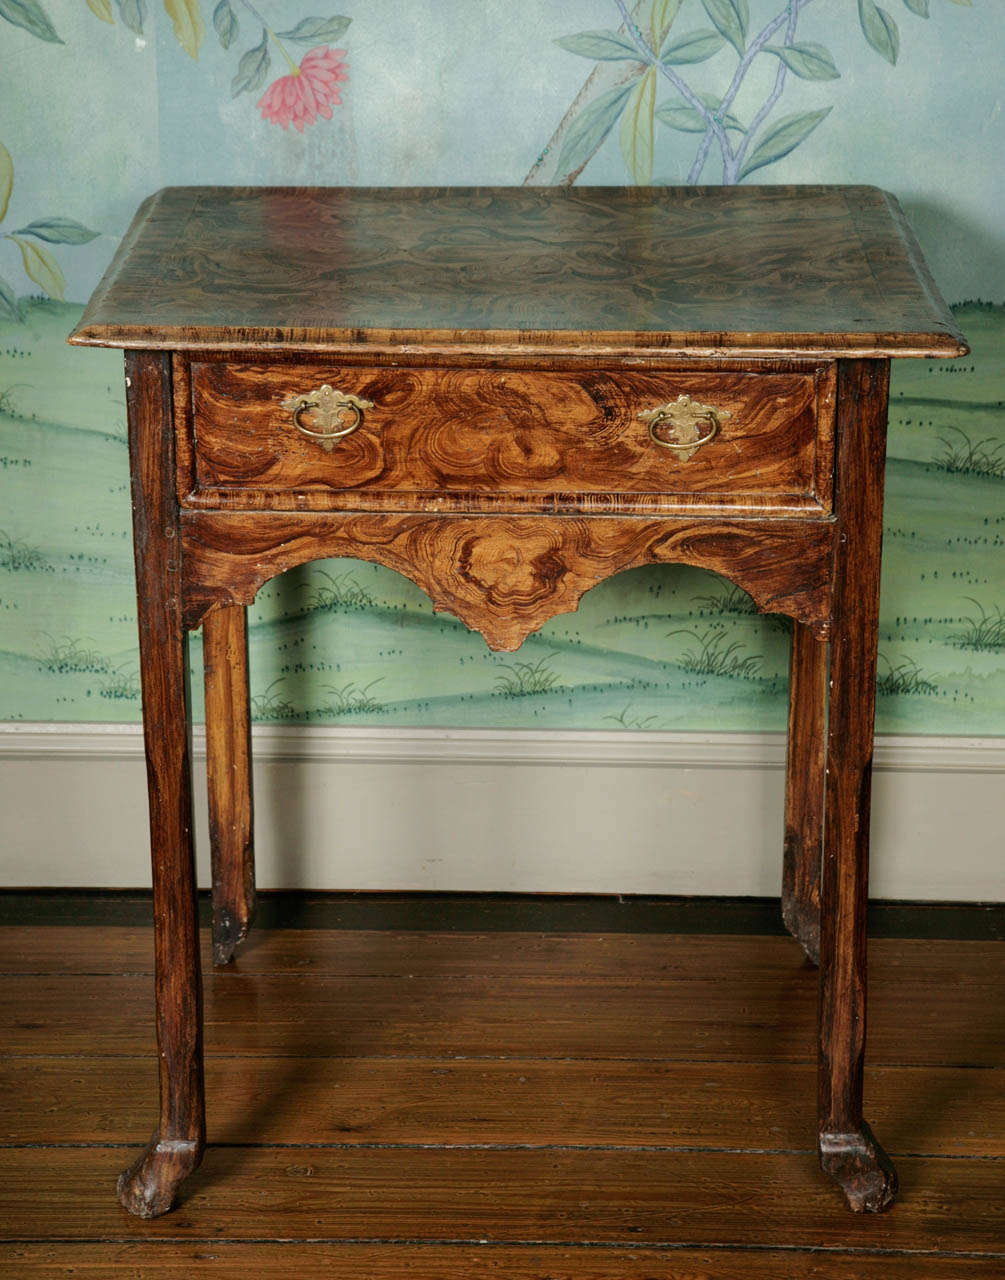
[{"x": 443, "y": 438}]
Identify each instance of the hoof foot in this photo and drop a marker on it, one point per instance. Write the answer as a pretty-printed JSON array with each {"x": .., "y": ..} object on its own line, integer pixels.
[
  {"x": 861, "y": 1168},
  {"x": 149, "y": 1186},
  {"x": 228, "y": 933},
  {"x": 804, "y": 925}
]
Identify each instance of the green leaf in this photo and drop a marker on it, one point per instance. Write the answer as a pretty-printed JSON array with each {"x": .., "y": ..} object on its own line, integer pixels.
[
  {"x": 30, "y": 15},
  {"x": 41, "y": 266},
  {"x": 317, "y": 30},
  {"x": 690, "y": 120},
  {"x": 58, "y": 231},
  {"x": 696, "y": 46},
  {"x": 684, "y": 119},
  {"x": 661, "y": 19},
  {"x": 600, "y": 46},
  {"x": 253, "y": 68},
  {"x": 730, "y": 17},
  {"x": 186, "y": 17},
  {"x": 6, "y": 180},
  {"x": 920, "y": 7},
  {"x": 637, "y": 129},
  {"x": 880, "y": 30},
  {"x": 225, "y": 23},
  {"x": 810, "y": 61},
  {"x": 133, "y": 14},
  {"x": 10, "y": 300},
  {"x": 783, "y": 137},
  {"x": 102, "y": 9},
  {"x": 591, "y": 127}
]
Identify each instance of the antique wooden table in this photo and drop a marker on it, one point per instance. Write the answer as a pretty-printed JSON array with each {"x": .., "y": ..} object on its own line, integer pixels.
[{"x": 509, "y": 395}]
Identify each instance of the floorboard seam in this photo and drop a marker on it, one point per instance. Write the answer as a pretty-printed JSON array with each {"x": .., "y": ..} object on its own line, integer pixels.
[
  {"x": 663, "y": 1246},
  {"x": 454, "y": 1058}
]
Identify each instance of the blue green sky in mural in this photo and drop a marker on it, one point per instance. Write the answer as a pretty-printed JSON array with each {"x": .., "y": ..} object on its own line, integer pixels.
[{"x": 502, "y": 92}]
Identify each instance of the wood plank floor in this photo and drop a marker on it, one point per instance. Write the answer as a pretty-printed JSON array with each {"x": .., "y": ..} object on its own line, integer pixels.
[{"x": 543, "y": 1106}]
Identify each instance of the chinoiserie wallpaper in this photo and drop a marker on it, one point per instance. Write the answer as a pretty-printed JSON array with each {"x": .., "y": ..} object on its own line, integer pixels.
[{"x": 102, "y": 102}]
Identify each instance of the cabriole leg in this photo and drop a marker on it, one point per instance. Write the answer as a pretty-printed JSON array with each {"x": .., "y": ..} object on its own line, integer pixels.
[
  {"x": 848, "y": 1151},
  {"x": 228, "y": 769},
  {"x": 148, "y": 1186},
  {"x": 804, "y": 789}
]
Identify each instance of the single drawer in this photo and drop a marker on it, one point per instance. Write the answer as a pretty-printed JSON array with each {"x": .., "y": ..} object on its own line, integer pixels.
[{"x": 329, "y": 436}]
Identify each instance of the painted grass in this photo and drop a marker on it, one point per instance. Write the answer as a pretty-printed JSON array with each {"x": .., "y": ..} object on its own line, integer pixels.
[
  {"x": 69, "y": 654},
  {"x": 519, "y": 679},
  {"x": 713, "y": 653},
  {"x": 334, "y": 592},
  {"x": 123, "y": 685},
  {"x": 904, "y": 678},
  {"x": 16, "y": 556},
  {"x": 984, "y": 631},
  {"x": 964, "y": 456},
  {"x": 727, "y": 598},
  {"x": 352, "y": 700},
  {"x": 271, "y": 704}
]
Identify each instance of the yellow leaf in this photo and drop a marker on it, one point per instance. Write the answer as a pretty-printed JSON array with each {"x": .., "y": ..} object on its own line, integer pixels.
[
  {"x": 101, "y": 9},
  {"x": 6, "y": 180},
  {"x": 661, "y": 20},
  {"x": 187, "y": 18},
  {"x": 637, "y": 129},
  {"x": 42, "y": 267}
]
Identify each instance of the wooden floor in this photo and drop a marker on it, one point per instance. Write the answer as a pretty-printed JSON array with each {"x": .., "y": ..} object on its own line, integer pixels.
[{"x": 446, "y": 1105}]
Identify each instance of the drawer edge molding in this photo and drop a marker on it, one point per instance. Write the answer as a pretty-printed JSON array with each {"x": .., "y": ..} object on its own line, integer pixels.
[{"x": 446, "y": 438}]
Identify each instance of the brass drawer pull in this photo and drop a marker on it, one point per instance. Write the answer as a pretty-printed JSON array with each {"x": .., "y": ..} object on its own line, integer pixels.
[
  {"x": 337, "y": 413},
  {"x": 691, "y": 423}
]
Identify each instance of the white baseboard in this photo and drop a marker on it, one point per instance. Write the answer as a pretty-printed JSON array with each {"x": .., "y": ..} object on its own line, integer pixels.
[{"x": 349, "y": 808}]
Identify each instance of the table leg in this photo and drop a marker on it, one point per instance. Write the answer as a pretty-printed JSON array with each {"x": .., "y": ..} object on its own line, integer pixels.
[
  {"x": 228, "y": 769},
  {"x": 148, "y": 1186},
  {"x": 804, "y": 789},
  {"x": 848, "y": 1151}
]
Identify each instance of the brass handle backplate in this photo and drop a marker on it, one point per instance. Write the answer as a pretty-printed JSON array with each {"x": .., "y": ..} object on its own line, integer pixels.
[
  {"x": 334, "y": 413},
  {"x": 689, "y": 424}
]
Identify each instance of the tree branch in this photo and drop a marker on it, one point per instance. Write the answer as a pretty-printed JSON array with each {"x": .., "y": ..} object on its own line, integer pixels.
[
  {"x": 787, "y": 18},
  {"x": 604, "y": 76},
  {"x": 790, "y": 33},
  {"x": 687, "y": 93}
]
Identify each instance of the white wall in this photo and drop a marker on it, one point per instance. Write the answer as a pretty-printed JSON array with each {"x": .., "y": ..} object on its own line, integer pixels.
[{"x": 502, "y": 810}]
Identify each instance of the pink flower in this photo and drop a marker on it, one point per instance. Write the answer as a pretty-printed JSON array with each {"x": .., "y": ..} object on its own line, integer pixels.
[{"x": 308, "y": 92}]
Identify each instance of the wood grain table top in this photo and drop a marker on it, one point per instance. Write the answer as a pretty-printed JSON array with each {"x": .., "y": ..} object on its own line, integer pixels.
[{"x": 747, "y": 271}]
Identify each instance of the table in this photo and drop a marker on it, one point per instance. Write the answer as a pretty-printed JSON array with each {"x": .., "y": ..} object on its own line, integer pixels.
[{"x": 508, "y": 395}]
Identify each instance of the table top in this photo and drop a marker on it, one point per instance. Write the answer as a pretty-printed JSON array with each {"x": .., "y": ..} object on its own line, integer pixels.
[{"x": 701, "y": 270}]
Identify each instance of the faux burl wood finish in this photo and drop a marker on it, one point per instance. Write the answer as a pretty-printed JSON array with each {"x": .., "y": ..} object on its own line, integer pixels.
[
  {"x": 558, "y": 438},
  {"x": 508, "y": 340},
  {"x": 228, "y": 777},
  {"x": 804, "y": 789},
  {"x": 848, "y": 1150},
  {"x": 148, "y": 1186},
  {"x": 757, "y": 270},
  {"x": 505, "y": 576}
]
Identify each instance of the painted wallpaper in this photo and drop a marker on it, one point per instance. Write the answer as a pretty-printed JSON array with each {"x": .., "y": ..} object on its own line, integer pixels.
[{"x": 102, "y": 102}]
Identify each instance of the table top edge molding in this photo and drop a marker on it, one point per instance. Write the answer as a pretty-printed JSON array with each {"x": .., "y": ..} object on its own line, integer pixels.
[{"x": 843, "y": 274}]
